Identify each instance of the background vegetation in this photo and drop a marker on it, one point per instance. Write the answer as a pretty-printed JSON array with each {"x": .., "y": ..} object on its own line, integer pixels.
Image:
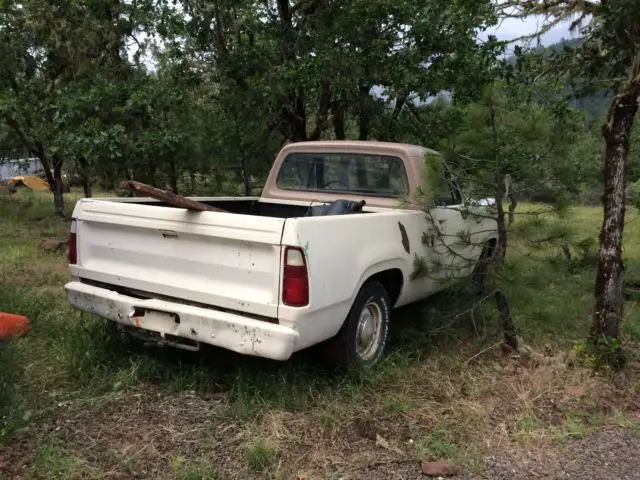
[
  {"x": 197, "y": 97},
  {"x": 192, "y": 95},
  {"x": 77, "y": 401}
]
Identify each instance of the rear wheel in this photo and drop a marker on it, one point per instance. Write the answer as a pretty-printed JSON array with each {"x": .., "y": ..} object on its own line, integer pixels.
[{"x": 365, "y": 333}]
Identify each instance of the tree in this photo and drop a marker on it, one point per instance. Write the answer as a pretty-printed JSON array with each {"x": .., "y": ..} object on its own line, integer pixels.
[
  {"x": 608, "y": 58},
  {"x": 515, "y": 140},
  {"x": 310, "y": 64},
  {"x": 61, "y": 61}
]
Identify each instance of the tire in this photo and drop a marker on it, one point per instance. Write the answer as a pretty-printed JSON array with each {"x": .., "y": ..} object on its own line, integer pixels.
[{"x": 359, "y": 344}]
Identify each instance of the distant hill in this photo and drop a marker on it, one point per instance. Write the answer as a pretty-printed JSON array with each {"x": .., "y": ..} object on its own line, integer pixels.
[{"x": 595, "y": 105}]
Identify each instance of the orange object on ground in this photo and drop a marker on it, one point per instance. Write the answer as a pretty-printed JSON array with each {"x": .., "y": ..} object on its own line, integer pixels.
[
  {"x": 12, "y": 325},
  {"x": 29, "y": 181}
]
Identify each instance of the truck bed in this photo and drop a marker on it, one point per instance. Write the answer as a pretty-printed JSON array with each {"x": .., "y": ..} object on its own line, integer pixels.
[
  {"x": 239, "y": 205},
  {"x": 229, "y": 261}
]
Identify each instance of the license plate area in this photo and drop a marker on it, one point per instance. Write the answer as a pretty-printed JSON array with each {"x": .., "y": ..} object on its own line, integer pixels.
[{"x": 155, "y": 320}]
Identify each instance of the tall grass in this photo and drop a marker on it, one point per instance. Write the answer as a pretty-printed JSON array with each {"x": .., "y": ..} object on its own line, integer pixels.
[{"x": 72, "y": 356}]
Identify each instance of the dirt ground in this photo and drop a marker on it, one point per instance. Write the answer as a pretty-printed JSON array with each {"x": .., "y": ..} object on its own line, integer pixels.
[
  {"x": 145, "y": 435},
  {"x": 546, "y": 421}
]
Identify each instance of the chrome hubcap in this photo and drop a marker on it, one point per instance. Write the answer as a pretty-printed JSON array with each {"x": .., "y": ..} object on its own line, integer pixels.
[{"x": 369, "y": 331}]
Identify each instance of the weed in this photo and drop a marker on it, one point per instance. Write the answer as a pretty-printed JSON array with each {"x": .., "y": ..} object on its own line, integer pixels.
[
  {"x": 183, "y": 469},
  {"x": 53, "y": 462},
  {"x": 398, "y": 404},
  {"x": 261, "y": 456},
  {"x": 572, "y": 427},
  {"x": 436, "y": 444},
  {"x": 526, "y": 427},
  {"x": 583, "y": 354},
  {"x": 528, "y": 423},
  {"x": 326, "y": 420}
]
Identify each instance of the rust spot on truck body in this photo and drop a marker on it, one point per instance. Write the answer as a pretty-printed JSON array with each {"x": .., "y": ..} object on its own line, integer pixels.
[{"x": 405, "y": 237}]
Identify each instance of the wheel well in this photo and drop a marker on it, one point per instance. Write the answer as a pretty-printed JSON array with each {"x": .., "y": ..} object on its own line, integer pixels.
[
  {"x": 392, "y": 282},
  {"x": 492, "y": 246}
]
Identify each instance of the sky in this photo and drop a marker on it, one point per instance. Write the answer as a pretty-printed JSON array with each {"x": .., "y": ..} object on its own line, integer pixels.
[{"x": 511, "y": 28}]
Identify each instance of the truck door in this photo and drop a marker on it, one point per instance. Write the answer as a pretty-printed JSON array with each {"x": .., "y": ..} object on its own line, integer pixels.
[{"x": 450, "y": 234}]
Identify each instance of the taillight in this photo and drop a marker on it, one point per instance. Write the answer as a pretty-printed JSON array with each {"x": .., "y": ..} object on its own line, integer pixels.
[
  {"x": 295, "y": 280},
  {"x": 73, "y": 248}
]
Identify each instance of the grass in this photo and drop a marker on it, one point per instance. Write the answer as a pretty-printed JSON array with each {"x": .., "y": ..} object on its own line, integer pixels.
[
  {"x": 183, "y": 469},
  {"x": 54, "y": 461},
  {"x": 76, "y": 399},
  {"x": 438, "y": 443},
  {"x": 261, "y": 456}
]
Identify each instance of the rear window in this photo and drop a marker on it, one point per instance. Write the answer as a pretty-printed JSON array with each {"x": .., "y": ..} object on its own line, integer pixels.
[{"x": 374, "y": 175}]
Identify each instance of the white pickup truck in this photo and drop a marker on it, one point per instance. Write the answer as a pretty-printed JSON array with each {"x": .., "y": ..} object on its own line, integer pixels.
[{"x": 275, "y": 274}]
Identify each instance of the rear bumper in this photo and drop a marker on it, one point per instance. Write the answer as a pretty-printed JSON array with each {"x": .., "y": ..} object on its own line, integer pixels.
[{"x": 233, "y": 332}]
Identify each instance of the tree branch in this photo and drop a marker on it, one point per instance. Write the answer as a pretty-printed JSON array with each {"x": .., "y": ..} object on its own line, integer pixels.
[{"x": 307, "y": 7}]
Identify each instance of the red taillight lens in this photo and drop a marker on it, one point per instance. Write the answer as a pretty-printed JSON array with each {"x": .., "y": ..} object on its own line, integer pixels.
[
  {"x": 73, "y": 240},
  {"x": 295, "y": 280}
]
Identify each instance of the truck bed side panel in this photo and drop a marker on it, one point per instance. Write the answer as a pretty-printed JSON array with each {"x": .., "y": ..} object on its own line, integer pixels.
[{"x": 341, "y": 253}]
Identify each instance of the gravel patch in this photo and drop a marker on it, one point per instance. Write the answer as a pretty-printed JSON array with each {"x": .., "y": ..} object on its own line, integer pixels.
[
  {"x": 609, "y": 454},
  {"x": 613, "y": 454}
]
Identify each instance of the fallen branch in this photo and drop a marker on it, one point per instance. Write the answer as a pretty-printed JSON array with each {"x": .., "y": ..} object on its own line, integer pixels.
[
  {"x": 483, "y": 351},
  {"x": 168, "y": 197}
]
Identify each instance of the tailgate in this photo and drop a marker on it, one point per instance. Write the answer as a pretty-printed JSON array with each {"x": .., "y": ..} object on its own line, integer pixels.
[{"x": 226, "y": 260}]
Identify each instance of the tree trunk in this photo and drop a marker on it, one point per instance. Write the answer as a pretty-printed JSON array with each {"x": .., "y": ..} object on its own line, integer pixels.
[
  {"x": 47, "y": 163},
  {"x": 86, "y": 177},
  {"x": 173, "y": 177},
  {"x": 152, "y": 175},
  {"x": 58, "y": 198},
  {"x": 500, "y": 193},
  {"x": 607, "y": 315},
  {"x": 363, "y": 118},
  {"x": 192, "y": 177},
  {"x": 508, "y": 326},
  {"x": 338, "y": 122},
  {"x": 86, "y": 186},
  {"x": 512, "y": 208},
  {"x": 502, "y": 304},
  {"x": 364, "y": 127},
  {"x": 391, "y": 133},
  {"x": 323, "y": 110},
  {"x": 246, "y": 180},
  {"x": 299, "y": 118},
  {"x": 246, "y": 177}
]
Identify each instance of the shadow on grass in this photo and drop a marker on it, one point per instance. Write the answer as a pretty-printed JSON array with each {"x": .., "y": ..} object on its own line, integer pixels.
[
  {"x": 415, "y": 329},
  {"x": 71, "y": 355},
  {"x": 68, "y": 351}
]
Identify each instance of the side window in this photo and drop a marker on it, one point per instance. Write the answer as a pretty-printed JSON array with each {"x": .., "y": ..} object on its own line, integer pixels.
[{"x": 449, "y": 193}]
